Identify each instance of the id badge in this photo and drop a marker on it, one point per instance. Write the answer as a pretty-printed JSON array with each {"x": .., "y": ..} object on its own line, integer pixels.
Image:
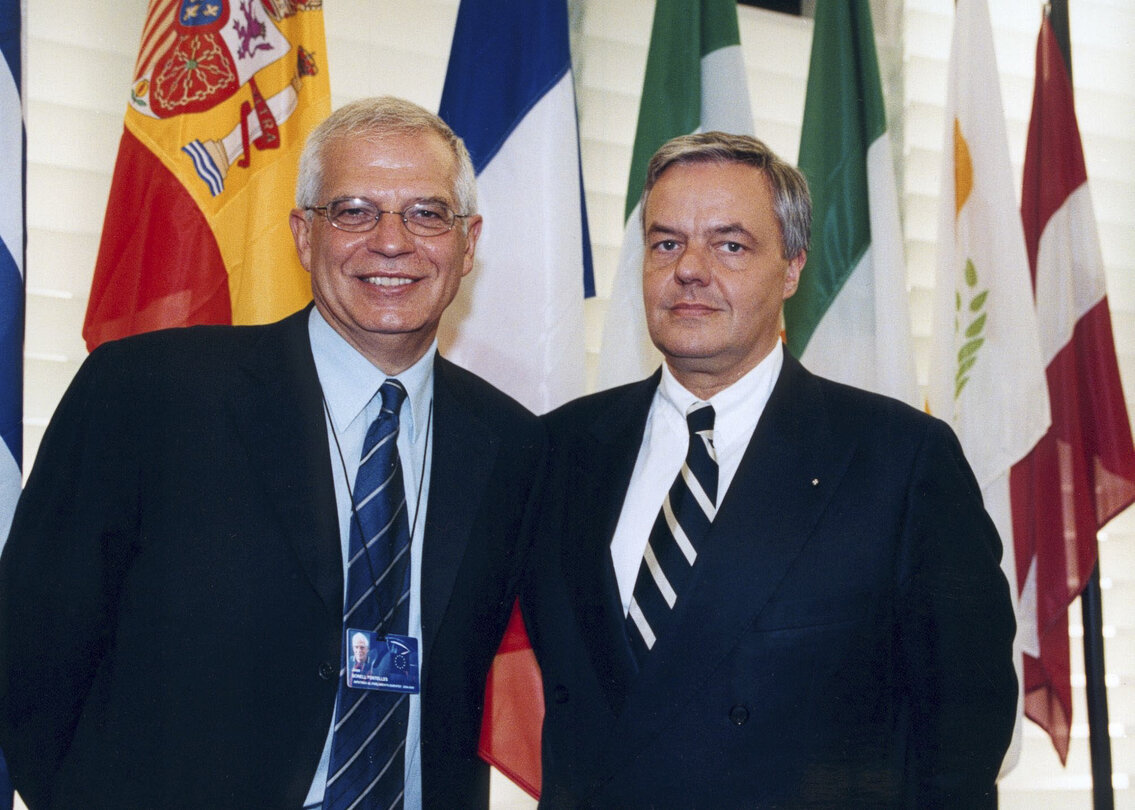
[{"x": 386, "y": 663}]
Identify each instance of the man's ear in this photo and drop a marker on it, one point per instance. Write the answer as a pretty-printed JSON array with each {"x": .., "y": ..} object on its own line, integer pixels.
[
  {"x": 301, "y": 234},
  {"x": 472, "y": 234},
  {"x": 792, "y": 273}
]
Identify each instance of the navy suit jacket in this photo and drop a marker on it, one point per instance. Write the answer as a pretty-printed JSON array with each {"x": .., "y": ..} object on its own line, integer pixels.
[
  {"x": 171, "y": 594},
  {"x": 846, "y": 641}
]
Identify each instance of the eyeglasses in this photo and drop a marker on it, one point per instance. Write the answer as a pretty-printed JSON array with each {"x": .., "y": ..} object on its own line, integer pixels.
[{"x": 356, "y": 215}]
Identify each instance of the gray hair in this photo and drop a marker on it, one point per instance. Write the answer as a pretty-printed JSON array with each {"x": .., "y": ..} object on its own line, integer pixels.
[
  {"x": 375, "y": 118},
  {"x": 792, "y": 205}
]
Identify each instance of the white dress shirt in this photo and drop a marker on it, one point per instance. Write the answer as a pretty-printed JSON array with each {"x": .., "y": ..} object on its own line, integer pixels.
[
  {"x": 350, "y": 385},
  {"x": 737, "y": 409}
]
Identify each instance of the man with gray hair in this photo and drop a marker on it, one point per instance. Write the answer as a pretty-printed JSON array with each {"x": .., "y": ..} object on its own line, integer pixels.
[
  {"x": 271, "y": 493},
  {"x": 753, "y": 587}
]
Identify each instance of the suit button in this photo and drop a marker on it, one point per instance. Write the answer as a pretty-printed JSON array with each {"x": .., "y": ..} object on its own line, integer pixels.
[
  {"x": 739, "y": 715},
  {"x": 327, "y": 670},
  {"x": 561, "y": 694}
]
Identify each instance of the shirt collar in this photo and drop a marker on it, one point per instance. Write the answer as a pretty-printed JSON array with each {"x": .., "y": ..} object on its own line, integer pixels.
[
  {"x": 350, "y": 380},
  {"x": 756, "y": 385}
]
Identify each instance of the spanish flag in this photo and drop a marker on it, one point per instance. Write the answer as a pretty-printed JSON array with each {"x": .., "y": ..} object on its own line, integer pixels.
[{"x": 196, "y": 228}]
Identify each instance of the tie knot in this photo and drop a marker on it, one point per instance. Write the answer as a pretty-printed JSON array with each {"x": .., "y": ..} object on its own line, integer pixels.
[
  {"x": 393, "y": 394},
  {"x": 700, "y": 417}
]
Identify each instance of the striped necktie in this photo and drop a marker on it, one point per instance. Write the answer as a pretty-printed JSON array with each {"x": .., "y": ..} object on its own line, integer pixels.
[
  {"x": 369, "y": 740},
  {"x": 672, "y": 549}
]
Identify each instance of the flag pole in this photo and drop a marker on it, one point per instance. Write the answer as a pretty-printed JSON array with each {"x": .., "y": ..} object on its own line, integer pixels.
[
  {"x": 1099, "y": 740},
  {"x": 1091, "y": 599}
]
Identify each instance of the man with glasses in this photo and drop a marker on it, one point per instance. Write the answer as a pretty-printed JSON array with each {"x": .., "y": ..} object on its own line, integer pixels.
[{"x": 264, "y": 495}]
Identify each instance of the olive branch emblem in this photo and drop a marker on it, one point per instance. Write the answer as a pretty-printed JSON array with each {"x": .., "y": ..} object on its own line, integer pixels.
[{"x": 975, "y": 311}]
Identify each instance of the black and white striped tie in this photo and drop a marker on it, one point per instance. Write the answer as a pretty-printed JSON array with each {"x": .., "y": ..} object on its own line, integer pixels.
[{"x": 672, "y": 549}]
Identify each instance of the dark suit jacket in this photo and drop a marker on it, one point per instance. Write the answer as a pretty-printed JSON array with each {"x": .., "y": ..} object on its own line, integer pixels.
[
  {"x": 171, "y": 595},
  {"x": 846, "y": 642}
]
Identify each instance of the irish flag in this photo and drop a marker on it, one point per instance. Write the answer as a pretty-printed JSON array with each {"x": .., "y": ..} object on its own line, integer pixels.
[
  {"x": 196, "y": 229},
  {"x": 1082, "y": 473},
  {"x": 695, "y": 82},
  {"x": 987, "y": 371},
  {"x": 850, "y": 319}
]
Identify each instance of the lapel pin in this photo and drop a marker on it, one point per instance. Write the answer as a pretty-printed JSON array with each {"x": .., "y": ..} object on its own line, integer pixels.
[{"x": 815, "y": 482}]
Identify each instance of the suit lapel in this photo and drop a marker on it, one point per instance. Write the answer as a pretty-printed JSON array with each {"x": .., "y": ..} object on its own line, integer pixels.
[
  {"x": 792, "y": 466},
  {"x": 464, "y": 450},
  {"x": 289, "y": 438},
  {"x": 280, "y": 413},
  {"x": 609, "y": 455}
]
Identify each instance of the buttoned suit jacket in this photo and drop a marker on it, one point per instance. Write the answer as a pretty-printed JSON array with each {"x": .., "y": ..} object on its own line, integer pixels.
[
  {"x": 171, "y": 595},
  {"x": 846, "y": 640}
]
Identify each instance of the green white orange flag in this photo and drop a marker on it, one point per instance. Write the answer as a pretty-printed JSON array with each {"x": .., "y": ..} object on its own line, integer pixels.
[
  {"x": 196, "y": 230},
  {"x": 987, "y": 371},
  {"x": 695, "y": 82},
  {"x": 1082, "y": 473},
  {"x": 850, "y": 317}
]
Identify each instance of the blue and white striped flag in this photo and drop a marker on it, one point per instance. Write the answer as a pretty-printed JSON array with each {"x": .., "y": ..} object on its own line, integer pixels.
[
  {"x": 11, "y": 260},
  {"x": 11, "y": 280},
  {"x": 518, "y": 320}
]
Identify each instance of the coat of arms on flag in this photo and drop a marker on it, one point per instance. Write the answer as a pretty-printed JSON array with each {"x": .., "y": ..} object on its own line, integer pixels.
[{"x": 224, "y": 94}]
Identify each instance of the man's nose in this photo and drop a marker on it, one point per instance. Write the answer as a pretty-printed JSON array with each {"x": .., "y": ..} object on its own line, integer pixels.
[
  {"x": 693, "y": 266},
  {"x": 389, "y": 235}
]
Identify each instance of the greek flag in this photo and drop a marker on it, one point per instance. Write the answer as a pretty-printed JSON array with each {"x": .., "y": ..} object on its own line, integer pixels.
[
  {"x": 11, "y": 280},
  {"x": 11, "y": 261}
]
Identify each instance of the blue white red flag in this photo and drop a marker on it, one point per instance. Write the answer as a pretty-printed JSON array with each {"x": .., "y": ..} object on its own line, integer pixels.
[{"x": 518, "y": 321}]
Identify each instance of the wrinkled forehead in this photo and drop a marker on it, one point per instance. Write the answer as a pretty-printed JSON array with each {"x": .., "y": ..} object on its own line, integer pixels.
[
  {"x": 708, "y": 183},
  {"x": 418, "y": 162}
]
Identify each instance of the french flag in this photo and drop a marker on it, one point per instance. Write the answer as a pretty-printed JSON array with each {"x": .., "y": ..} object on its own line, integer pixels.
[{"x": 518, "y": 321}]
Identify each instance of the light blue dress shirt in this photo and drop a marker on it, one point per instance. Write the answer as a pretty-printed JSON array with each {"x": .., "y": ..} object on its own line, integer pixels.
[{"x": 350, "y": 385}]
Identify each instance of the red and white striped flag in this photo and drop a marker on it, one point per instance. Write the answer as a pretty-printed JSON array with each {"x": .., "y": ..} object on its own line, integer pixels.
[{"x": 1082, "y": 472}]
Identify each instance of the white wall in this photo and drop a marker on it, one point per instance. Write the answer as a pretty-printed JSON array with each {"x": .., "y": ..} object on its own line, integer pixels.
[{"x": 81, "y": 54}]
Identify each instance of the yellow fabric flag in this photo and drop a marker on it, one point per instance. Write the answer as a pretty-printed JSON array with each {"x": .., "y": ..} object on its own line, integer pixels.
[{"x": 196, "y": 230}]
